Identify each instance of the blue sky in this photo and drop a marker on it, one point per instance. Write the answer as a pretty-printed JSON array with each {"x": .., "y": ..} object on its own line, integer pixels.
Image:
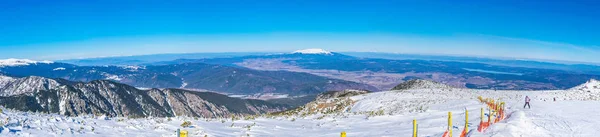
[{"x": 550, "y": 30}]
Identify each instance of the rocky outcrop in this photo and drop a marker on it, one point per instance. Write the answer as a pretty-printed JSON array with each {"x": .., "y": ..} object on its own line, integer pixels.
[
  {"x": 592, "y": 86},
  {"x": 420, "y": 84},
  {"x": 339, "y": 94}
]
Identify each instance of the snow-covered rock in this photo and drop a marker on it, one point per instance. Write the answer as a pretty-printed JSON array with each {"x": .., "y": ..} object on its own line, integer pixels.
[
  {"x": 420, "y": 84},
  {"x": 4, "y": 80},
  {"x": 313, "y": 51},
  {"x": 28, "y": 85},
  {"x": 338, "y": 94},
  {"x": 587, "y": 91},
  {"x": 20, "y": 62},
  {"x": 590, "y": 86}
]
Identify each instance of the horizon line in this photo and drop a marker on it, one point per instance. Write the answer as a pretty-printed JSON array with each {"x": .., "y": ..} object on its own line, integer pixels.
[{"x": 564, "y": 62}]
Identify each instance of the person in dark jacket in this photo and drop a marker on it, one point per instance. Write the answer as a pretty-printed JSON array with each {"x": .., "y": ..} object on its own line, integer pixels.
[{"x": 527, "y": 99}]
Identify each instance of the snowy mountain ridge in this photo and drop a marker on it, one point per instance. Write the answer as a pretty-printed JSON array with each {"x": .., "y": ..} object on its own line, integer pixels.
[
  {"x": 104, "y": 97},
  {"x": 20, "y": 62},
  {"x": 27, "y": 85},
  {"x": 312, "y": 51}
]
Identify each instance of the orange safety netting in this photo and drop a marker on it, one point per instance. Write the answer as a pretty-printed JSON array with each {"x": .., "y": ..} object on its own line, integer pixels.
[
  {"x": 463, "y": 133},
  {"x": 446, "y": 134},
  {"x": 495, "y": 115},
  {"x": 496, "y": 112}
]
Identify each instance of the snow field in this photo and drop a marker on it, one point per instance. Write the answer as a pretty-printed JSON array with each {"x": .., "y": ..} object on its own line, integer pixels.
[{"x": 574, "y": 114}]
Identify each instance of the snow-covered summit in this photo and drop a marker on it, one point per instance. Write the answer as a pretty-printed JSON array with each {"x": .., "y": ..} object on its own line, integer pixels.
[
  {"x": 313, "y": 51},
  {"x": 592, "y": 85},
  {"x": 20, "y": 62}
]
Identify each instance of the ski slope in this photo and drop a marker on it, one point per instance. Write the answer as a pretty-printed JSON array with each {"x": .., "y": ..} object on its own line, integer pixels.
[
  {"x": 551, "y": 119},
  {"x": 574, "y": 113}
]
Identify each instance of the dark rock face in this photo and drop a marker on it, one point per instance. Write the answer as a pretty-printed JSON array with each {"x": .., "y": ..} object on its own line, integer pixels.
[{"x": 103, "y": 97}]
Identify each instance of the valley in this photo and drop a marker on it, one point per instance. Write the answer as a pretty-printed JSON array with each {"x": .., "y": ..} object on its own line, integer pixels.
[
  {"x": 381, "y": 80},
  {"x": 384, "y": 74},
  {"x": 194, "y": 76}
]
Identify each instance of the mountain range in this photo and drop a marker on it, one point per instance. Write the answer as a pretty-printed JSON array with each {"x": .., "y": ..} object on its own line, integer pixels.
[
  {"x": 193, "y": 76},
  {"x": 368, "y": 71},
  {"x": 385, "y": 73},
  {"x": 203, "y": 87},
  {"x": 104, "y": 97}
]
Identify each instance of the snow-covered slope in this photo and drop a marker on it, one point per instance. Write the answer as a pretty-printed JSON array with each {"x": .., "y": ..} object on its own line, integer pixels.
[
  {"x": 313, "y": 51},
  {"x": 27, "y": 86},
  {"x": 590, "y": 86},
  {"x": 388, "y": 113},
  {"x": 5, "y": 80},
  {"x": 587, "y": 91},
  {"x": 20, "y": 62},
  {"x": 429, "y": 103}
]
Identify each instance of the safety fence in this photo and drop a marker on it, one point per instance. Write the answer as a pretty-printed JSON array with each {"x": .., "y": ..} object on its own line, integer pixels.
[{"x": 496, "y": 113}]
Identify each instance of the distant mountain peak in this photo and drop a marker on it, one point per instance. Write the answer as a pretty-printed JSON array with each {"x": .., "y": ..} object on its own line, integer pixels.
[
  {"x": 20, "y": 62},
  {"x": 312, "y": 51},
  {"x": 592, "y": 85}
]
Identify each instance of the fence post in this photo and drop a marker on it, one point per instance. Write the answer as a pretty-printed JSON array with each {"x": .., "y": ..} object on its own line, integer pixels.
[
  {"x": 490, "y": 116},
  {"x": 481, "y": 114},
  {"x": 343, "y": 134},
  {"x": 183, "y": 133},
  {"x": 503, "y": 110},
  {"x": 414, "y": 127},
  {"x": 450, "y": 123},
  {"x": 466, "y": 120}
]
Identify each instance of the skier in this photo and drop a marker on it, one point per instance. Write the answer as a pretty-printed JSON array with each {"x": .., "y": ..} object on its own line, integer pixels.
[{"x": 527, "y": 102}]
